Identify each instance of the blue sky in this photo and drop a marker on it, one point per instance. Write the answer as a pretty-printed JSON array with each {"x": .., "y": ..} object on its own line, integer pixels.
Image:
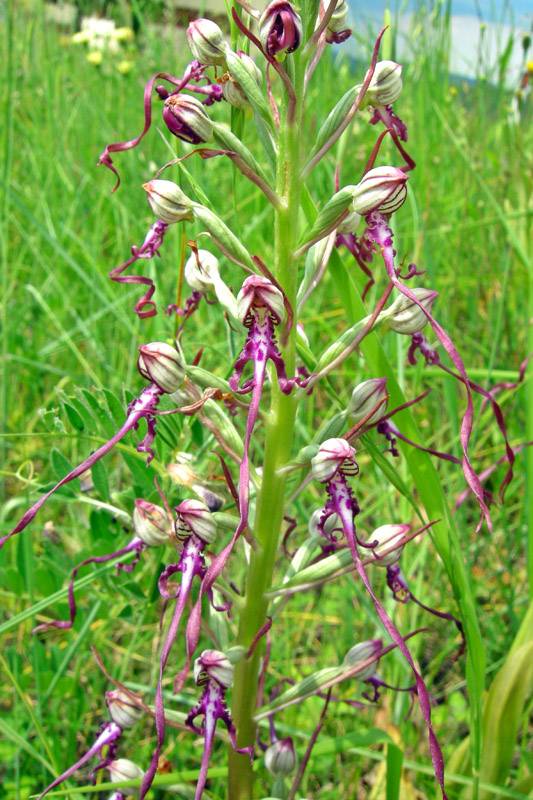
[{"x": 501, "y": 20}]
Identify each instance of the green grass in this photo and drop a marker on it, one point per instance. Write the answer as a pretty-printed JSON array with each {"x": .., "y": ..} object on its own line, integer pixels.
[{"x": 66, "y": 327}]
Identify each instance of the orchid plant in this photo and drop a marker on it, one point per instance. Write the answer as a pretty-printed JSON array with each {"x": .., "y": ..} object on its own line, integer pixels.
[{"x": 253, "y": 416}]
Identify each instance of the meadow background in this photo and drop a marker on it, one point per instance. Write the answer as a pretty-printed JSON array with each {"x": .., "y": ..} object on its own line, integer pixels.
[{"x": 67, "y": 329}]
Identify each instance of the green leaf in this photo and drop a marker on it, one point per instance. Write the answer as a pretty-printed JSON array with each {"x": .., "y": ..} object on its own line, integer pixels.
[
  {"x": 62, "y": 467},
  {"x": 74, "y": 417},
  {"x": 100, "y": 480}
]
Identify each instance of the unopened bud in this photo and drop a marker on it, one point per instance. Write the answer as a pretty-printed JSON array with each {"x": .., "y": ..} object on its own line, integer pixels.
[
  {"x": 159, "y": 363},
  {"x": 388, "y": 536},
  {"x": 280, "y": 758},
  {"x": 332, "y": 522},
  {"x": 386, "y": 84},
  {"x": 206, "y": 42},
  {"x": 151, "y": 523},
  {"x": 381, "y": 189},
  {"x": 350, "y": 223},
  {"x": 200, "y": 271},
  {"x": 280, "y": 28},
  {"x": 186, "y": 118},
  {"x": 121, "y": 709},
  {"x": 259, "y": 292},
  {"x": 359, "y": 654},
  {"x": 338, "y": 19},
  {"x": 364, "y": 397},
  {"x": 124, "y": 770},
  {"x": 193, "y": 516},
  {"x": 213, "y": 665},
  {"x": 232, "y": 90},
  {"x": 333, "y": 454},
  {"x": 406, "y": 316},
  {"x": 167, "y": 201}
]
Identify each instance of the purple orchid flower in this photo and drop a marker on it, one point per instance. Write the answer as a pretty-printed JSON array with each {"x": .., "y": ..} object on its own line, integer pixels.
[
  {"x": 334, "y": 462},
  {"x": 148, "y": 249},
  {"x": 196, "y": 528},
  {"x": 193, "y": 73},
  {"x": 391, "y": 120},
  {"x": 159, "y": 363},
  {"x": 152, "y": 528},
  {"x": 280, "y": 28},
  {"x": 261, "y": 307},
  {"x": 379, "y": 232},
  {"x": 213, "y": 671},
  {"x": 124, "y": 714}
]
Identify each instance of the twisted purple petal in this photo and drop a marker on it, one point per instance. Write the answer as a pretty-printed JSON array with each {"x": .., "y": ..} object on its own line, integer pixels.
[
  {"x": 109, "y": 735},
  {"x": 144, "y": 406},
  {"x": 380, "y": 233},
  {"x": 136, "y": 545}
]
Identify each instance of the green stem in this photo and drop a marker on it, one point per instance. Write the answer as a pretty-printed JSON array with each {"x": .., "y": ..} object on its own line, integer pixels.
[{"x": 278, "y": 444}]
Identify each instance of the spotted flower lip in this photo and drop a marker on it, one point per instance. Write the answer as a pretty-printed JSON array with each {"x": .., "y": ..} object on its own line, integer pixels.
[{"x": 280, "y": 28}]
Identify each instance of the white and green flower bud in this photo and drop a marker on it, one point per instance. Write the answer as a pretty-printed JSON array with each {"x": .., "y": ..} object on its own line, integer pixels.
[
  {"x": 202, "y": 275},
  {"x": 193, "y": 516},
  {"x": 280, "y": 758},
  {"x": 159, "y": 363},
  {"x": 258, "y": 292},
  {"x": 350, "y": 223},
  {"x": 151, "y": 523},
  {"x": 386, "y": 84},
  {"x": 167, "y": 201},
  {"x": 206, "y": 42},
  {"x": 359, "y": 654},
  {"x": 232, "y": 90},
  {"x": 364, "y": 397},
  {"x": 333, "y": 521},
  {"x": 124, "y": 770},
  {"x": 381, "y": 189},
  {"x": 333, "y": 454},
  {"x": 213, "y": 665},
  {"x": 405, "y": 316},
  {"x": 121, "y": 709},
  {"x": 200, "y": 271},
  {"x": 387, "y": 537},
  {"x": 338, "y": 19}
]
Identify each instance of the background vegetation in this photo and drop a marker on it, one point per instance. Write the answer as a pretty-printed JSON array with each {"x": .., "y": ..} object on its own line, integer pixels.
[{"x": 66, "y": 330}]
